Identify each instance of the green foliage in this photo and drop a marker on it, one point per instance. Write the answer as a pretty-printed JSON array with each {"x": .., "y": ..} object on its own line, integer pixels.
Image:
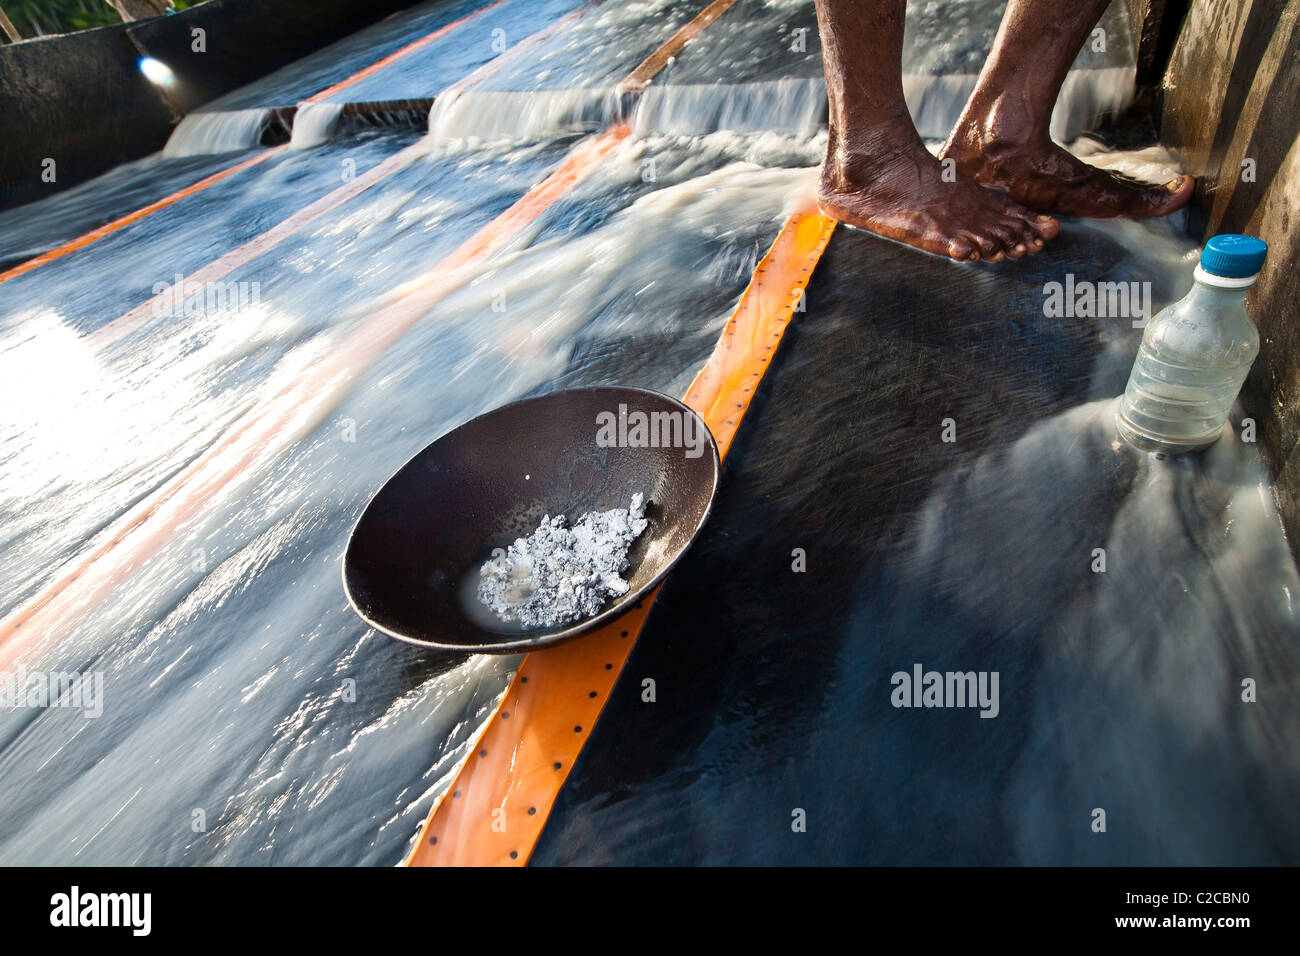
[{"x": 41, "y": 17}]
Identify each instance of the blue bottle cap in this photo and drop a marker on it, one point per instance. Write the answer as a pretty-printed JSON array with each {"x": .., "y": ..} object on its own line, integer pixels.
[{"x": 1234, "y": 256}]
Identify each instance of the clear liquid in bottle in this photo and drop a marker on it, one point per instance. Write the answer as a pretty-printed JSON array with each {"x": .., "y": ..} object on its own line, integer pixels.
[{"x": 1195, "y": 355}]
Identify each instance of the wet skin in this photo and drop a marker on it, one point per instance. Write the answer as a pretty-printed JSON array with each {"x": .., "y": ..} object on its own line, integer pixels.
[{"x": 999, "y": 175}]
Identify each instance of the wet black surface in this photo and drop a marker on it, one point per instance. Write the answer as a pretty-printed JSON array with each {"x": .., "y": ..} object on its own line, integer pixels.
[{"x": 773, "y": 686}]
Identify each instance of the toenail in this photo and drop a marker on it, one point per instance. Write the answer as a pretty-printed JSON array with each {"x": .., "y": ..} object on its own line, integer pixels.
[
  {"x": 1044, "y": 218},
  {"x": 1020, "y": 247}
]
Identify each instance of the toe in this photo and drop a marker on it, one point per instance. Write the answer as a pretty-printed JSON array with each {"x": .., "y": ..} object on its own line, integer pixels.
[
  {"x": 1023, "y": 227},
  {"x": 987, "y": 246},
  {"x": 962, "y": 250},
  {"x": 1028, "y": 237},
  {"x": 1007, "y": 234},
  {"x": 1175, "y": 194},
  {"x": 1046, "y": 226}
]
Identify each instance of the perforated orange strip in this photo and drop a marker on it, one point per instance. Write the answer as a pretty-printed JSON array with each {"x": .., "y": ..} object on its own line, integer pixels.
[
  {"x": 721, "y": 393},
  {"x": 494, "y": 813}
]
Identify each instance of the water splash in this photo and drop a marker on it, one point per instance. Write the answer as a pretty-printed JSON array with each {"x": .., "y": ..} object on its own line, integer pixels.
[
  {"x": 1086, "y": 98},
  {"x": 474, "y": 117},
  {"x": 315, "y": 124},
  {"x": 792, "y": 106},
  {"x": 218, "y": 132}
]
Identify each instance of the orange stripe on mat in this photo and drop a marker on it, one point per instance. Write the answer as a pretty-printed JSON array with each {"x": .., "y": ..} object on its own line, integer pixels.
[
  {"x": 58, "y": 252},
  {"x": 494, "y": 812},
  {"x": 392, "y": 58},
  {"x": 113, "y": 330},
  {"x": 639, "y": 79},
  {"x": 269, "y": 428}
]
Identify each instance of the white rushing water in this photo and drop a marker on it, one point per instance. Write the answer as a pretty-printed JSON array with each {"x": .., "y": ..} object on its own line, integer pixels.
[
  {"x": 1086, "y": 98},
  {"x": 217, "y": 132},
  {"x": 314, "y": 124},
  {"x": 488, "y": 116},
  {"x": 792, "y": 106},
  {"x": 225, "y": 654}
]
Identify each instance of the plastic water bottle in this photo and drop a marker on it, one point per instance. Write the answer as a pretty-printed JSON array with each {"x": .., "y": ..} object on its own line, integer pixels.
[{"x": 1195, "y": 354}]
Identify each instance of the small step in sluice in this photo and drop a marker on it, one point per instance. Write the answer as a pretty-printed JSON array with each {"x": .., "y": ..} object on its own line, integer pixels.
[
  {"x": 218, "y": 132},
  {"x": 304, "y": 125},
  {"x": 792, "y": 106},
  {"x": 795, "y": 107}
]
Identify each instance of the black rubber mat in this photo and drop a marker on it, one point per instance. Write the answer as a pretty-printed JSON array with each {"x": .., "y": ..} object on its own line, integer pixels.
[{"x": 772, "y": 738}]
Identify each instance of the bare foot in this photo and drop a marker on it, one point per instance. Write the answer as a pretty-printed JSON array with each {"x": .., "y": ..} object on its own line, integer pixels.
[
  {"x": 1047, "y": 178},
  {"x": 901, "y": 192}
]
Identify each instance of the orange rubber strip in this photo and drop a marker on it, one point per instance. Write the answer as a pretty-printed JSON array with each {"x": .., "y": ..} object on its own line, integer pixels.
[
  {"x": 494, "y": 812},
  {"x": 639, "y": 79},
  {"x": 269, "y": 428},
  {"x": 58, "y": 252},
  {"x": 520, "y": 48},
  {"x": 392, "y": 58},
  {"x": 114, "y": 329}
]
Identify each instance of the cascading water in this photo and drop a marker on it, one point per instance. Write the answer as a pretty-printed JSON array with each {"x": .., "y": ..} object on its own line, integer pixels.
[
  {"x": 945, "y": 44},
  {"x": 487, "y": 116},
  {"x": 219, "y": 132},
  {"x": 1087, "y": 97},
  {"x": 794, "y": 106},
  {"x": 314, "y": 124}
]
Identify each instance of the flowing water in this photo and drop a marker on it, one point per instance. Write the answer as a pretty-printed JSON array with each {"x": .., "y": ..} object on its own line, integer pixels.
[
  {"x": 248, "y": 716},
  {"x": 200, "y": 133}
]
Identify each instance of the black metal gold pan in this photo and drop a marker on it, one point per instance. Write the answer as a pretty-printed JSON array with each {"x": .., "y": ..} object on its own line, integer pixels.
[{"x": 412, "y": 562}]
